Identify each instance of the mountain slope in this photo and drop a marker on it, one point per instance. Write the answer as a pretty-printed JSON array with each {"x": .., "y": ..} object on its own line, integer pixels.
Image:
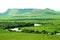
[{"x": 30, "y": 13}]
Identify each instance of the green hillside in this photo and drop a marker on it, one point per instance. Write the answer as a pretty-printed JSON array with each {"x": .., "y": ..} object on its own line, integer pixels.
[{"x": 30, "y": 14}]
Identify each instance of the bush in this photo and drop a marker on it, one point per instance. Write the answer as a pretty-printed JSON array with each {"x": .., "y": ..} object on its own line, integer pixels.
[
  {"x": 44, "y": 32},
  {"x": 56, "y": 32},
  {"x": 38, "y": 32},
  {"x": 31, "y": 31},
  {"x": 28, "y": 31},
  {"x": 52, "y": 33},
  {"x": 25, "y": 30}
]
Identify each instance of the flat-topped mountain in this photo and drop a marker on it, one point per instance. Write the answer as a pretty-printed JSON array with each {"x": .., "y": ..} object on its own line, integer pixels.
[{"x": 30, "y": 13}]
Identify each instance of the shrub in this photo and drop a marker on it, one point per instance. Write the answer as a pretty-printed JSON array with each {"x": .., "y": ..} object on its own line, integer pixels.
[
  {"x": 25, "y": 30},
  {"x": 38, "y": 32},
  {"x": 31, "y": 31},
  {"x": 44, "y": 32},
  {"x": 52, "y": 33},
  {"x": 56, "y": 32}
]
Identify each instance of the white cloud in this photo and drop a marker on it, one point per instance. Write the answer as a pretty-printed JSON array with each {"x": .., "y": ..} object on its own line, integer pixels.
[{"x": 53, "y": 4}]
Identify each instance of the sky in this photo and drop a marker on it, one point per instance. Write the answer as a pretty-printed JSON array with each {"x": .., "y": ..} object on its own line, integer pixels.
[{"x": 37, "y": 4}]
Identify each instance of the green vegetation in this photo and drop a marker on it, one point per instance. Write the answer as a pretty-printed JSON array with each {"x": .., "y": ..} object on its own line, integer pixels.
[
  {"x": 48, "y": 28},
  {"x": 30, "y": 14},
  {"x": 6, "y": 35},
  {"x": 25, "y": 20}
]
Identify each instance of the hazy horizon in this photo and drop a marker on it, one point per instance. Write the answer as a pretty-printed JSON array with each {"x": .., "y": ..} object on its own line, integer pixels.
[{"x": 37, "y": 4}]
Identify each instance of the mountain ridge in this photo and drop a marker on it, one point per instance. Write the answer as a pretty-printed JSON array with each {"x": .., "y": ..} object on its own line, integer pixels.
[{"x": 27, "y": 13}]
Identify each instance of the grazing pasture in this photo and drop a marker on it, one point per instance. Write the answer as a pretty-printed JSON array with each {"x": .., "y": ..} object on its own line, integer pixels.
[
  {"x": 7, "y": 35},
  {"x": 33, "y": 32}
]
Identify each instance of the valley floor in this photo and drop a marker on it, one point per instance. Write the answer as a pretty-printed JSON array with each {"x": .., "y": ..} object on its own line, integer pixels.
[
  {"x": 7, "y": 35},
  {"x": 55, "y": 26}
]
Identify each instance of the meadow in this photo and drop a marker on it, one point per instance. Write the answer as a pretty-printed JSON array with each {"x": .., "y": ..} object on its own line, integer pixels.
[
  {"x": 48, "y": 25},
  {"x": 7, "y": 35}
]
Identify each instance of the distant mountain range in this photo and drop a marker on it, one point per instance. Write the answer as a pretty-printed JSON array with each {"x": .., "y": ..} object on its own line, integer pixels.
[{"x": 30, "y": 13}]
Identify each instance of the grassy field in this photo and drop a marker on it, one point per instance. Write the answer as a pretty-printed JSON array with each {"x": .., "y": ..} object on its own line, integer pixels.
[
  {"x": 6, "y": 35},
  {"x": 48, "y": 28},
  {"x": 25, "y": 19}
]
